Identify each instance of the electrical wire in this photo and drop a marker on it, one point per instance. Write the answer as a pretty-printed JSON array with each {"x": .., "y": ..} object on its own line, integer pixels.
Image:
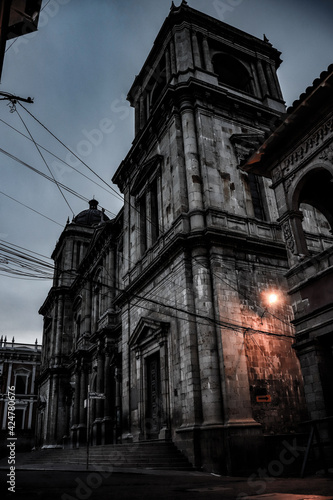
[
  {"x": 30, "y": 267},
  {"x": 60, "y": 159},
  {"x": 222, "y": 279},
  {"x": 32, "y": 209},
  {"x": 23, "y": 163},
  {"x": 45, "y": 162},
  {"x": 147, "y": 219},
  {"x": 23, "y": 264},
  {"x": 115, "y": 193}
]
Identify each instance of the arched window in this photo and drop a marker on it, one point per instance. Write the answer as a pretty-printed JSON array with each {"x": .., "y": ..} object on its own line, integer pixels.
[{"x": 231, "y": 72}]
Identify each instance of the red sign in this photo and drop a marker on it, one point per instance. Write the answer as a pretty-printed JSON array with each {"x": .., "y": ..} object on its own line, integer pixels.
[{"x": 264, "y": 399}]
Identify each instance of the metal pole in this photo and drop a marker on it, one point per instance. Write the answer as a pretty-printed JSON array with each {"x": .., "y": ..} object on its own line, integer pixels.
[{"x": 88, "y": 425}]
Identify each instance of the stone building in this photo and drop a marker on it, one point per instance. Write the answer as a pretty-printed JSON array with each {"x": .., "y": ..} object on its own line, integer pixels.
[
  {"x": 298, "y": 158},
  {"x": 19, "y": 368},
  {"x": 177, "y": 309}
]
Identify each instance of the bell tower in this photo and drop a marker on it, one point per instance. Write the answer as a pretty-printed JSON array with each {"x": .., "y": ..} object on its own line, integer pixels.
[
  {"x": 220, "y": 87},
  {"x": 201, "y": 234}
]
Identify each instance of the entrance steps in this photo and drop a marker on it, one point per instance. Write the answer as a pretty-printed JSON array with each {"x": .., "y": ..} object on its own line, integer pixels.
[{"x": 159, "y": 455}]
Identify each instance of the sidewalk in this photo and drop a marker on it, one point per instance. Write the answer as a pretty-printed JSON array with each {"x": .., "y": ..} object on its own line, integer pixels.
[{"x": 65, "y": 481}]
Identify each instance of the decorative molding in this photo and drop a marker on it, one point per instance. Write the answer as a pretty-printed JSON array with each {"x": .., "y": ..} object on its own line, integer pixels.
[
  {"x": 309, "y": 145},
  {"x": 288, "y": 236},
  {"x": 327, "y": 154},
  {"x": 288, "y": 182},
  {"x": 277, "y": 174},
  {"x": 144, "y": 172},
  {"x": 245, "y": 145},
  {"x": 148, "y": 330}
]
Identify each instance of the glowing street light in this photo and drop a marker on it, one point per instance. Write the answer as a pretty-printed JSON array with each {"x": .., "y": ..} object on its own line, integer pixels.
[{"x": 272, "y": 298}]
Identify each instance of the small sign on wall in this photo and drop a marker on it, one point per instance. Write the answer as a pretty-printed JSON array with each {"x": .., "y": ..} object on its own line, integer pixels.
[{"x": 264, "y": 399}]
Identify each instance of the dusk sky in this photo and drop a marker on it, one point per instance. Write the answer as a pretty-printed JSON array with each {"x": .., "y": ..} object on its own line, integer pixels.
[{"x": 78, "y": 67}]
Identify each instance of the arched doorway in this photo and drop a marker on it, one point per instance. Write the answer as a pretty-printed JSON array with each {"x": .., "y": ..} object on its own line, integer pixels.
[{"x": 314, "y": 198}]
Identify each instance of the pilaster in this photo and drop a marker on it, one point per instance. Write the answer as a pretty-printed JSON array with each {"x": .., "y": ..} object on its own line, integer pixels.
[{"x": 192, "y": 166}]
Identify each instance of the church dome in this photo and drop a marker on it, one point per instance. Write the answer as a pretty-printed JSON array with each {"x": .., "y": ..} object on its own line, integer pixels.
[{"x": 92, "y": 216}]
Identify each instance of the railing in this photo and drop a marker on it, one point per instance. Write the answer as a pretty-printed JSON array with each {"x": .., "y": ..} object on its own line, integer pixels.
[{"x": 4, "y": 344}]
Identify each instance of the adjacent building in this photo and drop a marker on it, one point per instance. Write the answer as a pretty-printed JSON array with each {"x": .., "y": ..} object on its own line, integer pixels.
[
  {"x": 177, "y": 310},
  {"x": 19, "y": 368},
  {"x": 298, "y": 158}
]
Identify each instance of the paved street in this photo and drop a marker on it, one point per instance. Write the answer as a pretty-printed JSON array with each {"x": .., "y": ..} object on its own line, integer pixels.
[{"x": 149, "y": 485}]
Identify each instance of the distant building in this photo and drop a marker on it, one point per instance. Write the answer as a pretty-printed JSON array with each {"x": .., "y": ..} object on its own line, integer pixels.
[
  {"x": 19, "y": 368},
  {"x": 177, "y": 310}
]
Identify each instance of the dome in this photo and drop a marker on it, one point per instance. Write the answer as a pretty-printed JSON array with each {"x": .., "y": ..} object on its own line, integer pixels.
[{"x": 92, "y": 216}]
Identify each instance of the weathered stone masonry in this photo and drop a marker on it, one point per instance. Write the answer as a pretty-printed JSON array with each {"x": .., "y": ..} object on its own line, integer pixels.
[{"x": 164, "y": 307}]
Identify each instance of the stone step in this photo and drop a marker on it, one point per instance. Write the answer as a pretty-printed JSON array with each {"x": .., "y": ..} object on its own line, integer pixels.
[
  {"x": 108, "y": 458},
  {"x": 152, "y": 455}
]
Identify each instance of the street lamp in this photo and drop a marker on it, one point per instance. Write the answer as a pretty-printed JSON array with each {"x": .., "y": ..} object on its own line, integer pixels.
[{"x": 272, "y": 298}]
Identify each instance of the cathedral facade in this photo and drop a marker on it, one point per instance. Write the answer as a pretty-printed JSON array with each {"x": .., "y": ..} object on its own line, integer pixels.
[{"x": 177, "y": 310}]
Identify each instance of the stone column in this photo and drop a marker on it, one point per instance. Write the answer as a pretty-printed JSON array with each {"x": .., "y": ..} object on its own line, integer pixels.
[
  {"x": 31, "y": 405},
  {"x": 262, "y": 79},
  {"x": 192, "y": 166},
  {"x": 149, "y": 218},
  {"x": 243, "y": 436},
  {"x": 82, "y": 427},
  {"x": 143, "y": 116},
  {"x": 206, "y": 52},
  {"x": 167, "y": 64},
  {"x": 112, "y": 274},
  {"x": 76, "y": 412},
  {"x": 164, "y": 371},
  {"x": 196, "y": 51},
  {"x": 75, "y": 255},
  {"x": 207, "y": 340},
  {"x": 291, "y": 223},
  {"x": 97, "y": 424},
  {"x": 118, "y": 409},
  {"x": 173, "y": 57},
  {"x": 107, "y": 423},
  {"x": 59, "y": 330},
  {"x": 271, "y": 82},
  {"x": 54, "y": 413},
  {"x": 88, "y": 308},
  {"x": 183, "y": 49},
  {"x": 256, "y": 85}
]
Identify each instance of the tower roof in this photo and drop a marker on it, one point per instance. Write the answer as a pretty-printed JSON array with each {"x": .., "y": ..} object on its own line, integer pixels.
[{"x": 91, "y": 216}]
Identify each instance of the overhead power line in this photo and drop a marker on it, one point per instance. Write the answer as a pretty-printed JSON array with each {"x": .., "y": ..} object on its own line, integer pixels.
[
  {"x": 58, "y": 158},
  {"x": 73, "y": 153},
  {"x": 21, "y": 162},
  {"x": 45, "y": 163},
  {"x": 229, "y": 284},
  {"x": 32, "y": 209},
  {"x": 28, "y": 266}
]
